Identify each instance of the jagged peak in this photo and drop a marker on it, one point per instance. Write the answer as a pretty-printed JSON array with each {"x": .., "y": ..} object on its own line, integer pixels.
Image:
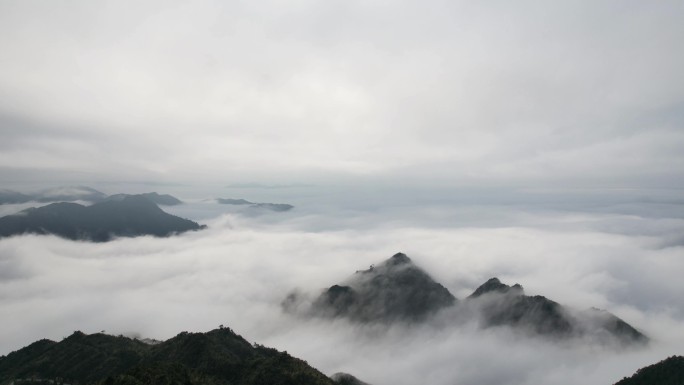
[
  {"x": 494, "y": 285},
  {"x": 394, "y": 289},
  {"x": 398, "y": 259}
]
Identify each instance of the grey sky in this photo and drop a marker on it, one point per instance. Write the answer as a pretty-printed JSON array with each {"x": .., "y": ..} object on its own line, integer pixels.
[
  {"x": 561, "y": 124},
  {"x": 447, "y": 92}
]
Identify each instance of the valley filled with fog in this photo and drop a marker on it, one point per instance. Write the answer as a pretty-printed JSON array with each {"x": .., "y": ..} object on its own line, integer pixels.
[{"x": 619, "y": 251}]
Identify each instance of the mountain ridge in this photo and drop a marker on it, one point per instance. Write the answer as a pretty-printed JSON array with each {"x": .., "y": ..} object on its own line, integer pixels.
[
  {"x": 396, "y": 290},
  {"x": 219, "y": 357},
  {"x": 78, "y": 193},
  {"x": 131, "y": 216},
  {"x": 280, "y": 207},
  {"x": 669, "y": 371}
]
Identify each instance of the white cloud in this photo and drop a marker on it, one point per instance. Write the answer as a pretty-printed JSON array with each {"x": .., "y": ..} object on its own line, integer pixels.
[{"x": 237, "y": 272}]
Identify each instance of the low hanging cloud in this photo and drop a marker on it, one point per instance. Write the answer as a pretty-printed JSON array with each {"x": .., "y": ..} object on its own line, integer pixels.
[{"x": 238, "y": 271}]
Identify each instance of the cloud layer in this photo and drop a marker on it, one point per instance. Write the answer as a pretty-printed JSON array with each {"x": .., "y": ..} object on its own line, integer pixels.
[
  {"x": 584, "y": 93},
  {"x": 238, "y": 271}
]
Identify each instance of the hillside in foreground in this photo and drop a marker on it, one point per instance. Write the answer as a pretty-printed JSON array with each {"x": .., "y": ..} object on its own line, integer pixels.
[
  {"x": 669, "y": 371},
  {"x": 218, "y": 357}
]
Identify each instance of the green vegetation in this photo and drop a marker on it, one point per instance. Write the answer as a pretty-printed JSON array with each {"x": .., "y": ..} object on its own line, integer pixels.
[
  {"x": 218, "y": 357},
  {"x": 669, "y": 371}
]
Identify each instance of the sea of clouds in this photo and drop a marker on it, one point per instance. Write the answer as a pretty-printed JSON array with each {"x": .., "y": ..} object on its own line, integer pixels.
[{"x": 625, "y": 257}]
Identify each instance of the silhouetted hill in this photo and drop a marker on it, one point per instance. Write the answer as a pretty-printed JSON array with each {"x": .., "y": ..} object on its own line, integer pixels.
[
  {"x": 669, "y": 371},
  {"x": 132, "y": 216},
  {"x": 395, "y": 289},
  {"x": 57, "y": 194},
  {"x": 398, "y": 290},
  {"x": 218, "y": 357},
  {"x": 159, "y": 199},
  {"x": 12, "y": 197},
  {"x": 243, "y": 202},
  {"x": 503, "y": 305},
  {"x": 69, "y": 194},
  {"x": 346, "y": 379}
]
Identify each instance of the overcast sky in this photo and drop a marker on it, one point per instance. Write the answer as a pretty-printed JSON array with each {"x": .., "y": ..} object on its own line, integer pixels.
[
  {"x": 582, "y": 93},
  {"x": 304, "y": 101}
]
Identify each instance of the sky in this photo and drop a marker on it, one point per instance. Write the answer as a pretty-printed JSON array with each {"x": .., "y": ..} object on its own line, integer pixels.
[
  {"x": 538, "y": 142},
  {"x": 446, "y": 93}
]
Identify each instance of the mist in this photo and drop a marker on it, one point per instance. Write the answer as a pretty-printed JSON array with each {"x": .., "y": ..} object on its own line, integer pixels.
[
  {"x": 537, "y": 142},
  {"x": 238, "y": 271}
]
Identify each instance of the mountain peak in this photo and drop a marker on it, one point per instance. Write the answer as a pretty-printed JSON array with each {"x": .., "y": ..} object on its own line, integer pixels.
[
  {"x": 395, "y": 289},
  {"x": 398, "y": 259},
  {"x": 494, "y": 285}
]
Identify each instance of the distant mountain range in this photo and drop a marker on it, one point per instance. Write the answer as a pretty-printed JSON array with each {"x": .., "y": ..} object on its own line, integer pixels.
[
  {"x": 397, "y": 290},
  {"x": 243, "y": 202},
  {"x": 78, "y": 193},
  {"x": 57, "y": 194},
  {"x": 88, "y": 194},
  {"x": 123, "y": 216},
  {"x": 218, "y": 357},
  {"x": 159, "y": 199}
]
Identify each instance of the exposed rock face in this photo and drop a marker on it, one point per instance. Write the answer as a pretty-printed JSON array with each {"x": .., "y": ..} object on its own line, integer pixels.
[
  {"x": 132, "y": 216},
  {"x": 395, "y": 290}
]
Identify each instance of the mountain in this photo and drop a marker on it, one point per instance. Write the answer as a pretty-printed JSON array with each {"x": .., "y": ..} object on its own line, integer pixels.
[
  {"x": 669, "y": 371},
  {"x": 132, "y": 216},
  {"x": 398, "y": 290},
  {"x": 395, "y": 289},
  {"x": 57, "y": 194},
  {"x": 69, "y": 194},
  {"x": 13, "y": 197},
  {"x": 79, "y": 193},
  {"x": 158, "y": 199},
  {"x": 502, "y": 305},
  {"x": 243, "y": 202},
  {"x": 218, "y": 357},
  {"x": 346, "y": 379}
]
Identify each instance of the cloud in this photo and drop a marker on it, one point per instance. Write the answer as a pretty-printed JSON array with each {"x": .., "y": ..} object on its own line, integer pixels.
[
  {"x": 238, "y": 271},
  {"x": 543, "y": 94}
]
